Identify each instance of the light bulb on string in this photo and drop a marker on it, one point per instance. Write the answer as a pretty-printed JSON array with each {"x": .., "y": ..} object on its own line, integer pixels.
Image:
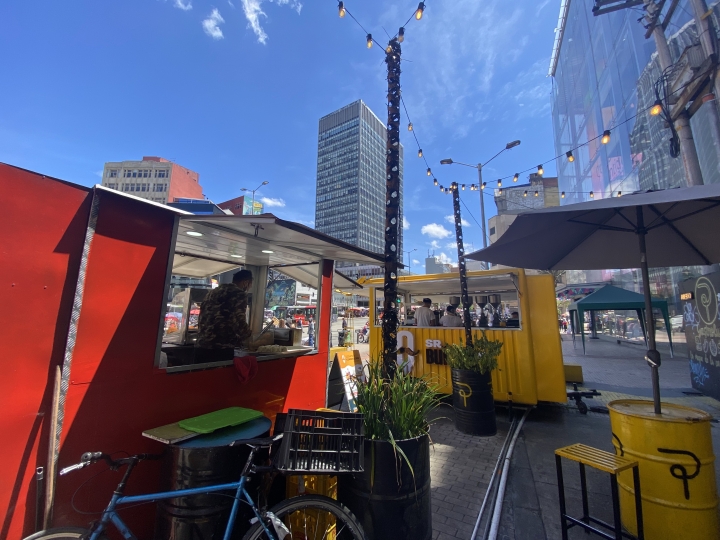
[
  {"x": 500, "y": 182},
  {"x": 435, "y": 181},
  {"x": 419, "y": 10},
  {"x": 500, "y": 191},
  {"x": 570, "y": 156},
  {"x": 463, "y": 187},
  {"x": 410, "y": 126},
  {"x": 592, "y": 195},
  {"x": 369, "y": 41},
  {"x": 341, "y": 9},
  {"x": 656, "y": 108},
  {"x": 429, "y": 172},
  {"x": 419, "y": 152},
  {"x": 525, "y": 193},
  {"x": 536, "y": 193},
  {"x": 483, "y": 185},
  {"x": 562, "y": 195},
  {"x": 541, "y": 171},
  {"x": 515, "y": 178},
  {"x": 401, "y": 35},
  {"x": 619, "y": 193},
  {"x": 605, "y": 137}
]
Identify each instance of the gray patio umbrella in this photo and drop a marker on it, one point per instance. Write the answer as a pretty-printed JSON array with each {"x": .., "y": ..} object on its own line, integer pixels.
[{"x": 674, "y": 227}]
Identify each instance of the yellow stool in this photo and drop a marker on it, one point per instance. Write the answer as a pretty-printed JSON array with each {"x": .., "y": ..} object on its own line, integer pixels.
[{"x": 606, "y": 462}]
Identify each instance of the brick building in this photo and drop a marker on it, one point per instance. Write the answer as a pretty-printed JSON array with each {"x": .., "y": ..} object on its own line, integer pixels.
[{"x": 153, "y": 178}]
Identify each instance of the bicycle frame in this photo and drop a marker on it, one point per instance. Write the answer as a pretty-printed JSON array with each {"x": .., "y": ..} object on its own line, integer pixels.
[{"x": 111, "y": 516}]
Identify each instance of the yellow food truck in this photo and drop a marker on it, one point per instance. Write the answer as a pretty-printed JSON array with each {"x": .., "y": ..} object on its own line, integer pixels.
[{"x": 530, "y": 365}]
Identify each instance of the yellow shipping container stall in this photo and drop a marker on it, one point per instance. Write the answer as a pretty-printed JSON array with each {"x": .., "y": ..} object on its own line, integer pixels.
[{"x": 530, "y": 365}]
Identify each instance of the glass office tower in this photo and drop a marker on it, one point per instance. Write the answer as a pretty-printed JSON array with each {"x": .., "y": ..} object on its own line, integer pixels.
[
  {"x": 604, "y": 71},
  {"x": 350, "y": 189}
]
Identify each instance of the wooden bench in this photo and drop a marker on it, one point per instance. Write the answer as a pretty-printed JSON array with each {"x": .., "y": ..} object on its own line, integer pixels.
[{"x": 606, "y": 462}]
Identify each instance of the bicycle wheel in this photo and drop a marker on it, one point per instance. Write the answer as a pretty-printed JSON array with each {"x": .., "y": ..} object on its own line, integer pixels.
[
  {"x": 61, "y": 533},
  {"x": 313, "y": 516}
]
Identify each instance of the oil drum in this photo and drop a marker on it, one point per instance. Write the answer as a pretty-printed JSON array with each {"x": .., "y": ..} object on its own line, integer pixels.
[{"x": 677, "y": 469}]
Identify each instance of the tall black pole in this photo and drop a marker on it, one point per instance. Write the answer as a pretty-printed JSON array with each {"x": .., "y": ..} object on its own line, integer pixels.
[
  {"x": 652, "y": 356},
  {"x": 392, "y": 206},
  {"x": 461, "y": 264}
]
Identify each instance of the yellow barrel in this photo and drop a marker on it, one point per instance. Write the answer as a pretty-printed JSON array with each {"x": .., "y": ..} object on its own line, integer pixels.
[{"x": 677, "y": 469}]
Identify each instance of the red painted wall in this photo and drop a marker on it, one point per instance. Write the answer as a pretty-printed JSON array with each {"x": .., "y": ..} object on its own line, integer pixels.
[
  {"x": 184, "y": 183},
  {"x": 115, "y": 393},
  {"x": 44, "y": 223}
]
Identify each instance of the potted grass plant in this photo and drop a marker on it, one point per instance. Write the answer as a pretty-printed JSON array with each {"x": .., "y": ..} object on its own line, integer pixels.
[
  {"x": 391, "y": 498},
  {"x": 471, "y": 368}
]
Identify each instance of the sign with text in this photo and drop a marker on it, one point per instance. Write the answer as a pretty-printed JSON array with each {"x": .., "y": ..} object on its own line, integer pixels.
[{"x": 701, "y": 319}]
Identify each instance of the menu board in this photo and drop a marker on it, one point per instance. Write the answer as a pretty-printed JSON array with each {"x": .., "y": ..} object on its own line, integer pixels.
[{"x": 701, "y": 320}]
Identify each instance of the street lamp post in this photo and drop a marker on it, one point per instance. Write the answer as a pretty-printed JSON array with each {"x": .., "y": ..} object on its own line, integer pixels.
[
  {"x": 252, "y": 208},
  {"x": 481, "y": 189},
  {"x": 408, "y": 254}
]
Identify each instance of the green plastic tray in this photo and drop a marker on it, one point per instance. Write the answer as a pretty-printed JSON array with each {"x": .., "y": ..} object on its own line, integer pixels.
[{"x": 207, "y": 423}]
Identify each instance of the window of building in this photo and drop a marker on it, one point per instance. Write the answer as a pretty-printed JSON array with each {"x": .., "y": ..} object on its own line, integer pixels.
[
  {"x": 112, "y": 173},
  {"x": 492, "y": 230},
  {"x": 162, "y": 173}
]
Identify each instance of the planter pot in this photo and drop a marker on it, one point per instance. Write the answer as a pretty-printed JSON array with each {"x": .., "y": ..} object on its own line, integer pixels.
[
  {"x": 389, "y": 509},
  {"x": 473, "y": 402},
  {"x": 677, "y": 469}
]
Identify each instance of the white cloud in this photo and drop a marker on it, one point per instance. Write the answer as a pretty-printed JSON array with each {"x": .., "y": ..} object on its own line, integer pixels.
[
  {"x": 444, "y": 259},
  {"x": 434, "y": 230},
  {"x": 451, "y": 245},
  {"x": 540, "y": 7},
  {"x": 231, "y": 4},
  {"x": 451, "y": 220},
  {"x": 185, "y": 5},
  {"x": 211, "y": 25},
  {"x": 269, "y": 201},
  {"x": 415, "y": 261},
  {"x": 406, "y": 223},
  {"x": 253, "y": 11},
  {"x": 99, "y": 173},
  {"x": 435, "y": 244},
  {"x": 463, "y": 46}
]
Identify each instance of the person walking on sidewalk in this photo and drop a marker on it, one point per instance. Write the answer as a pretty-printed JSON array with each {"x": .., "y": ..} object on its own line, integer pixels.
[{"x": 311, "y": 332}]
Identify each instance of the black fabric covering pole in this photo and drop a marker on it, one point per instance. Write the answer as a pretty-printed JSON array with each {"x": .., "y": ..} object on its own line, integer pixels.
[
  {"x": 652, "y": 356},
  {"x": 392, "y": 206},
  {"x": 461, "y": 264}
]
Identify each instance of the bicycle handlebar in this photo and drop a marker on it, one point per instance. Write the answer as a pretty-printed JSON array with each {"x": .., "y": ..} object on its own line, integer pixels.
[{"x": 89, "y": 458}]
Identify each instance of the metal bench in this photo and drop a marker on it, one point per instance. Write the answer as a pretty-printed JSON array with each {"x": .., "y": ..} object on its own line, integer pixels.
[{"x": 606, "y": 462}]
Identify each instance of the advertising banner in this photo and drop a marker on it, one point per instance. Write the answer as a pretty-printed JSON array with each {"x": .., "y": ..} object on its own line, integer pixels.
[{"x": 280, "y": 293}]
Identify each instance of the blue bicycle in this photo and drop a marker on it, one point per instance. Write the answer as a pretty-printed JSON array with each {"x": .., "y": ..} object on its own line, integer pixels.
[{"x": 304, "y": 517}]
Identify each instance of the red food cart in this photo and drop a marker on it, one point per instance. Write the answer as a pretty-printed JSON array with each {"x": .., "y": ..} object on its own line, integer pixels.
[{"x": 86, "y": 273}]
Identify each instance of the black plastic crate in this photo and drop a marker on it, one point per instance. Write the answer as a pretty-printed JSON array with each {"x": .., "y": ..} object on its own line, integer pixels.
[{"x": 320, "y": 442}]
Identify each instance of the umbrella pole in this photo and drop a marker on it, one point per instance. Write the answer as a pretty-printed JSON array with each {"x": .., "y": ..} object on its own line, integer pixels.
[{"x": 652, "y": 356}]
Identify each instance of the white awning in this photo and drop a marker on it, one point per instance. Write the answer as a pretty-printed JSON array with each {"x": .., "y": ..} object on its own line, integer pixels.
[{"x": 209, "y": 245}]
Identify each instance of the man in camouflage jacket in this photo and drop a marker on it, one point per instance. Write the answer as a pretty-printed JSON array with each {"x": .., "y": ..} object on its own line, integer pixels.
[{"x": 222, "y": 323}]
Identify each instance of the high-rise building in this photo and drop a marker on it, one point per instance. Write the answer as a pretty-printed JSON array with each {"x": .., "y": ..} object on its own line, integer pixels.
[
  {"x": 606, "y": 76},
  {"x": 350, "y": 189},
  {"x": 153, "y": 178},
  {"x": 243, "y": 206}
]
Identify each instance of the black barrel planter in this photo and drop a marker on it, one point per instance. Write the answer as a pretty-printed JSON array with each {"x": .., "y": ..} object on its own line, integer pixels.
[
  {"x": 200, "y": 517},
  {"x": 473, "y": 402},
  {"x": 386, "y": 508}
]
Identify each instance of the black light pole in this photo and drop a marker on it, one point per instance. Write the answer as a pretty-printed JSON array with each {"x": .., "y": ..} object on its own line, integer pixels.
[
  {"x": 392, "y": 205},
  {"x": 461, "y": 265}
]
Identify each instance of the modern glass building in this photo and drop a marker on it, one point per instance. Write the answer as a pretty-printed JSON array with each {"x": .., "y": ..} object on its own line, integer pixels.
[
  {"x": 350, "y": 189},
  {"x": 604, "y": 72}
]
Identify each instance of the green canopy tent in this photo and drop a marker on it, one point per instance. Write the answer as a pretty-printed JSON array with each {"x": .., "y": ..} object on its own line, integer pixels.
[{"x": 610, "y": 297}]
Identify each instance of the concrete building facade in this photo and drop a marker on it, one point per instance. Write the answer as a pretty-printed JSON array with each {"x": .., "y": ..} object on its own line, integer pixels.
[
  {"x": 350, "y": 187},
  {"x": 152, "y": 178}
]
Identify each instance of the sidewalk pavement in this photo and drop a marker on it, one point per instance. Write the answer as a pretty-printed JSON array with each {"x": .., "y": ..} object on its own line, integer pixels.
[{"x": 531, "y": 506}]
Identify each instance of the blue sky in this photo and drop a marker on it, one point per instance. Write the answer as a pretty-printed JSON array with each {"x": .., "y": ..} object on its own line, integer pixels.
[{"x": 234, "y": 90}]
